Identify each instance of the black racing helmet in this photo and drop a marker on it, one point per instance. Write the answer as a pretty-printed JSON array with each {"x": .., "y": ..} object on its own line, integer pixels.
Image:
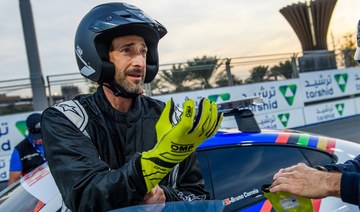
[{"x": 104, "y": 23}]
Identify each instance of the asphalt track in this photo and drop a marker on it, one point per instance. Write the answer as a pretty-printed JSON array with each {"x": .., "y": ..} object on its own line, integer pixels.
[{"x": 345, "y": 128}]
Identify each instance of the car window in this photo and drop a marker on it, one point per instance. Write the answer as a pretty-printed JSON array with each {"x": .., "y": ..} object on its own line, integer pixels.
[
  {"x": 238, "y": 173},
  {"x": 205, "y": 170},
  {"x": 317, "y": 158}
]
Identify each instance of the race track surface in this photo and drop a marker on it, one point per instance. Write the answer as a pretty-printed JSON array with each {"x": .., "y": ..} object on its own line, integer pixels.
[{"x": 345, "y": 128}]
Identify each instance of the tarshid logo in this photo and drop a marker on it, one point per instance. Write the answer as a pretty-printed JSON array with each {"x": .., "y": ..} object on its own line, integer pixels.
[
  {"x": 223, "y": 96},
  {"x": 284, "y": 118},
  {"x": 341, "y": 80},
  {"x": 340, "y": 108},
  {"x": 288, "y": 91}
]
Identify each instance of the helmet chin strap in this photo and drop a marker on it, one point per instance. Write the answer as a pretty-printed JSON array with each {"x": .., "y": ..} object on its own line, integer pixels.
[{"x": 120, "y": 91}]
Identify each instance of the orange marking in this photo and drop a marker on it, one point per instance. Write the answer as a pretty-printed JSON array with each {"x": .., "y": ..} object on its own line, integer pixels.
[
  {"x": 38, "y": 206},
  {"x": 282, "y": 138},
  {"x": 266, "y": 206}
]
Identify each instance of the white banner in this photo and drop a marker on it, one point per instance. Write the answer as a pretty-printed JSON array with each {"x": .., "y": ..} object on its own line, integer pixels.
[
  {"x": 281, "y": 120},
  {"x": 357, "y": 104},
  {"x": 320, "y": 85},
  {"x": 277, "y": 95},
  {"x": 329, "y": 111},
  {"x": 4, "y": 168},
  {"x": 278, "y": 120}
]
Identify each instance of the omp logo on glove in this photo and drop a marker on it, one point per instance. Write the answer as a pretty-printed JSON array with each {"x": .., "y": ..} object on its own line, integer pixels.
[
  {"x": 176, "y": 141},
  {"x": 181, "y": 147},
  {"x": 177, "y": 150}
]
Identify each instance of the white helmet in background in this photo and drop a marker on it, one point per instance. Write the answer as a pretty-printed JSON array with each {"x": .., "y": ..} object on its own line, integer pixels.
[{"x": 357, "y": 53}]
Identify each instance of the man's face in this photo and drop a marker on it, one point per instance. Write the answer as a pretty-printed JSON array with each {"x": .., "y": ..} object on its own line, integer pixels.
[
  {"x": 38, "y": 141},
  {"x": 128, "y": 54}
]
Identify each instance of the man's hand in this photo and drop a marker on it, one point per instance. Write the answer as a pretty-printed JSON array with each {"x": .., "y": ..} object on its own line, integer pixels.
[
  {"x": 305, "y": 181},
  {"x": 176, "y": 141},
  {"x": 155, "y": 196}
]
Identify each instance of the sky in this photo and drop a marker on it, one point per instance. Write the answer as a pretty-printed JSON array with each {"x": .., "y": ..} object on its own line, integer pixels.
[{"x": 226, "y": 28}]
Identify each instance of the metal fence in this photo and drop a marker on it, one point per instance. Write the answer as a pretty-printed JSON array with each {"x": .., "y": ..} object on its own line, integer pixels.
[{"x": 234, "y": 70}]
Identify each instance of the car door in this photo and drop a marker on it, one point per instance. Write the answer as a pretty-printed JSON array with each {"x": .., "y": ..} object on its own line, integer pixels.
[{"x": 236, "y": 174}]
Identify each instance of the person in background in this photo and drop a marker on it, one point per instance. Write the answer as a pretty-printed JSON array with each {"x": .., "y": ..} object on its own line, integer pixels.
[
  {"x": 116, "y": 148},
  {"x": 29, "y": 153},
  {"x": 338, "y": 180}
]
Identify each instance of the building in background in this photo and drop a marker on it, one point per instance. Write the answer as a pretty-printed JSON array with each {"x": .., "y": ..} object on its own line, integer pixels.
[{"x": 69, "y": 91}]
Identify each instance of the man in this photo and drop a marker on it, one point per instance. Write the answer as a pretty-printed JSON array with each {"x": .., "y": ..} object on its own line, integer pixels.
[
  {"x": 340, "y": 180},
  {"x": 116, "y": 147},
  {"x": 29, "y": 153}
]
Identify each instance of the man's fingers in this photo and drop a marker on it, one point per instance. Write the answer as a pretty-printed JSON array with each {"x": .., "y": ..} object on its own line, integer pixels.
[
  {"x": 167, "y": 111},
  {"x": 156, "y": 195},
  {"x": 292, "y": 169},
  {"x": 213, "y": 116},
  {"x": 276, "y": 176},
  {"x": 213, "y": 119},
  {"x": 282, "y": 183},
  {"x": 187, "y": 118},
  {"x": 214, "y": 129},
  {"x": 164, "y": 124},
  {"x": 203, "y": 117},
  {"x": 282, "y": 187},
  {"x": 160, "y": 195}
]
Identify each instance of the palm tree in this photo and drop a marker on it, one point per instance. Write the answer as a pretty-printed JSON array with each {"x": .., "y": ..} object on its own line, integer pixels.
[
  {"x": 284, "y": 69},
  {"x": 222, "y": 80},
  {"x": 257, "y": 74},
  {"x": 348, "y": 48},
  {"x": 172, "y": 80},
  {"x": 194, "y": 74},
  {"x": 204, "y": 69}
]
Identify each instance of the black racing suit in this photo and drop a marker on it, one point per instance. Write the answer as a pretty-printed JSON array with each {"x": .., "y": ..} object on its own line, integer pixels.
[{"x": 102, "y": 170}]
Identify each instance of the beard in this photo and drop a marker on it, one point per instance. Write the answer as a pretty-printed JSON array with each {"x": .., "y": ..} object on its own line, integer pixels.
[{"x": 131, "y": 86}]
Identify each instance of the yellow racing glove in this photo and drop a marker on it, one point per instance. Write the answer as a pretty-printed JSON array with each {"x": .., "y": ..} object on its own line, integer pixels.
[{"x": 176, "y": 141}]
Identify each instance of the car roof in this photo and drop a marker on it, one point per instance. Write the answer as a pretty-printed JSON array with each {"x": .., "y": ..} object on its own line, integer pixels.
[
  {"x": 230, "y": 137},
  {"x": 248, "y": 131}
]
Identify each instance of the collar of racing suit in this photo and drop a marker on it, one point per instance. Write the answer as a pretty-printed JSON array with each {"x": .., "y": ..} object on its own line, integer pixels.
[{"x": 104, "y": 105}]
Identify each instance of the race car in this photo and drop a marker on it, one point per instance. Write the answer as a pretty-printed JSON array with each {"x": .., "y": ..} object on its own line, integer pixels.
[{"x": 235, "y": 163}]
